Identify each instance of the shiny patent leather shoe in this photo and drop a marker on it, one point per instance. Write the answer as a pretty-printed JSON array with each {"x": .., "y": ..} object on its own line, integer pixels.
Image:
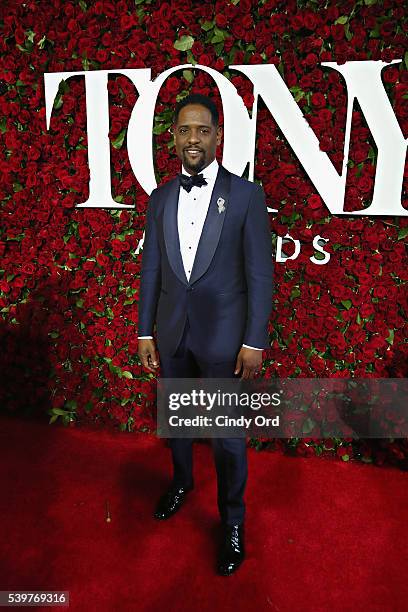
[
  {"x": 233, "y": 550},
  {"x": 171, "y": 501}
]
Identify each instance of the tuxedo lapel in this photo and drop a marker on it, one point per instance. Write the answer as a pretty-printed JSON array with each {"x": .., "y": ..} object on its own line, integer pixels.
[
  {"x": 214, "y": 221},
  {"x": 170, "y": 230},
  {"x": 211, "y": 233}
]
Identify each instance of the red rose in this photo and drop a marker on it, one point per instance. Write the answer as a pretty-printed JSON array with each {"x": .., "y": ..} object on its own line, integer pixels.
[
  {"x": 221, "y": 20},
  {"x": 28, "y": 268}
]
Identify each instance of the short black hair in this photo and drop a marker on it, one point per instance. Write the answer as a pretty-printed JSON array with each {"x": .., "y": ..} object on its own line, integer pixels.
[{"x": 196, "y": 98}]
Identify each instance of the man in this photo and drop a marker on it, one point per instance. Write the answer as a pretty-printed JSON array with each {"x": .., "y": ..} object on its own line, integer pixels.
[{"x": 206, "y": 281}]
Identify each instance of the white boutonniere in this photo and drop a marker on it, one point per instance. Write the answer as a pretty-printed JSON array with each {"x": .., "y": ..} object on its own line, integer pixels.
[{"x": 220, "y": 204}]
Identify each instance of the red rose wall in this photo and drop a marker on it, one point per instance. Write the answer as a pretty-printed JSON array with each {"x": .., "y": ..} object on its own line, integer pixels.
[{"x": 69, "y": 277}]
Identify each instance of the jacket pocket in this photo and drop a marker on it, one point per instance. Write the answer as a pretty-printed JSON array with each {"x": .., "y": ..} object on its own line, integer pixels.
[{"x": 233, "y": 292}]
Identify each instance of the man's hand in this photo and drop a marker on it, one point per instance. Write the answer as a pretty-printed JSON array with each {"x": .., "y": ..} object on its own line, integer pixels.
[
  {"x": 249, "y": 361},
  {"x": 148, "y": 354}
]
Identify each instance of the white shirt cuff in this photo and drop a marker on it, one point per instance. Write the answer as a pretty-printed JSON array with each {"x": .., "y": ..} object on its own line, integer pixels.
[
  {"x": 252, "y": 347},
  {"x": 145, "y": 337}
]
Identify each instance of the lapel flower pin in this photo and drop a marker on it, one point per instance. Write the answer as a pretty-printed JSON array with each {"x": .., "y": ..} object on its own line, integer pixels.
[{"x": 220, "y": 204}]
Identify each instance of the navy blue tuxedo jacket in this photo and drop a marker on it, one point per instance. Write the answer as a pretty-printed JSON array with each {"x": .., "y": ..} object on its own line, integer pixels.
[{"x": 228, "y": 298}]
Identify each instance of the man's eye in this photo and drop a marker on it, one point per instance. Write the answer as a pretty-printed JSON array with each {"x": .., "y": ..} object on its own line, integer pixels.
[{"x": 204, "y": 131}]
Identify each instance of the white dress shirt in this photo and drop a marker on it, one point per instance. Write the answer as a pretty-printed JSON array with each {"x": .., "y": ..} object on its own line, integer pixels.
[{"x": 191, "y": 213}]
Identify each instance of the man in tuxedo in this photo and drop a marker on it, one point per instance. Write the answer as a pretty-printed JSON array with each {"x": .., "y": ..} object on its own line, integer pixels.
[{"x": 206, "y": 281}]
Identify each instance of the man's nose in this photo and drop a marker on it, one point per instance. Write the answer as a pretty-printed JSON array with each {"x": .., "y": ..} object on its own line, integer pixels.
[{"x": 194, "y": 137}]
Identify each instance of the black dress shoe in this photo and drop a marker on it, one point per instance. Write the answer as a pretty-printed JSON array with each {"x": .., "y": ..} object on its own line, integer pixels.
[
  {"x": 171, "y": 501},
  {"x": 233, "y": 550}
]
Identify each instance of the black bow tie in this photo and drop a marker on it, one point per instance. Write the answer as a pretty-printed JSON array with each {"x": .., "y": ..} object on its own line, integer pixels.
[{"x": 188, "y": 182}]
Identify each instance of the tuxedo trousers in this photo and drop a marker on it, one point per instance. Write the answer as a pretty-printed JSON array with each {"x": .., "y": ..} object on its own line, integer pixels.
[{"x": 230, "y": 454}]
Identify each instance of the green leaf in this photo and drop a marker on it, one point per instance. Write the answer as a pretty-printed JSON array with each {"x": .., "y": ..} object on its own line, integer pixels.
[
  {"x": 295, "y": 293},
  {"x": 347, "y": 304},
  {"x": 406, "y": 59},
  {"x": 342, "y": 20},
  {"x": 345, "y": 457},
  {"x": 63, "y": 86},
  {"x": 376, "y": 32},
  {"x": 41, "y": 42},
  {"x": 59, "y": 411},
  {"x": 370, "y": 2},
  {"x": 181, "y": 95},
  {"x": 207, "y": 25},
  {"x": 127, "y": 374},
  {"x": 308, "y": 425},
  {"x": 160, "y": 128},
  {"x": 3, "y": 125},
  {"x": 403, "y": 233},
  {"x": 217, "y": 38},
  {"x": 188, "y": 75},
  {"x": 58, "y": 101},
  {"x": 115, "y": 370},
  {"x": 85, "y": 63},
  {"x": 83, "y": 6},
  {"x": 219, "y": 47},
  {"x": 190, "y": 58},
  {"x": 130, "y": 291},
  {"x": 30, "y": 35},
  {"x": 184, "y": 43},
  {"x": 118, "y": 142},
  {"x": 298, "y": 93},
  {"x": 371, "y": 154},
  {"x": 390, "y": 338}
]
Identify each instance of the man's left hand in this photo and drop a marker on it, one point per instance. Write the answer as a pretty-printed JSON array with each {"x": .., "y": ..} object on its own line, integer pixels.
[{"x": 249, "y": 361}]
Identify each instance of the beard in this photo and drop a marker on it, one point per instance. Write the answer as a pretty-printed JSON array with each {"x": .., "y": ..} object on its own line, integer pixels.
[{"x": 195, "y": 165}]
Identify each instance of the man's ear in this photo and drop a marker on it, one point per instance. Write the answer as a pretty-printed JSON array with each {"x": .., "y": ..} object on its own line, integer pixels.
[{"x": 219, "y": 134}]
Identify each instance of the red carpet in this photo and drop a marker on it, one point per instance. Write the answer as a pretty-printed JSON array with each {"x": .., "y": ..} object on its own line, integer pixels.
[{"x": 321, "y": 535}]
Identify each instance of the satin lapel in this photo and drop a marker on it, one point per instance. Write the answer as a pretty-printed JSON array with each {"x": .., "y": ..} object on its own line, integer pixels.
[
  {"x": 214, "y": 221},
  {"x": 170, "y": 230}
]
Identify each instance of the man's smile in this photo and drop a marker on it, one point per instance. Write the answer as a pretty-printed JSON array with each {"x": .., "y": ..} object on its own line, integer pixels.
[{"x": 193, "y": 152}]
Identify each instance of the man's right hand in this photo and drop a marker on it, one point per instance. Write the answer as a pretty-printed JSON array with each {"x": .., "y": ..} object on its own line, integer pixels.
[{"x": 148, "y": 355}]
